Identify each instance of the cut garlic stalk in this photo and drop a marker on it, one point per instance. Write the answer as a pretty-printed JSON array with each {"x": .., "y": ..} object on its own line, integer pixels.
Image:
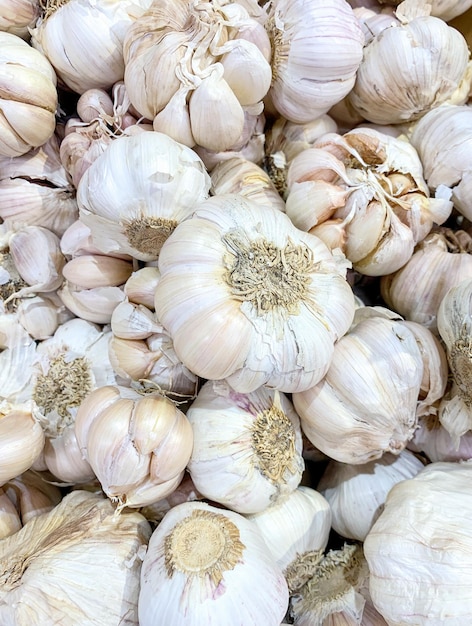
[{"x": 201, "y": 560}]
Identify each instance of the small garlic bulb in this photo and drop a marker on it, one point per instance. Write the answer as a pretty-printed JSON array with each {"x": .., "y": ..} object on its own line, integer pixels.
[
  {"x": 102, "y": 586},
  {"x": 268, "y": 300},
  {"x": 433, "y": 440},
  {"x": 316, "y": 51},
  {"x": 201, "y": 562},
  {"x": 420, "y": 548},
  {"x": 356, "y": 493},
  {"x": 366, "y": 403},
  {"x": 135, "y": 193},
  {"x": 138, "y": 445},
  {"x": 247, "y": 448},
  {"x": 29, "y": 97}
]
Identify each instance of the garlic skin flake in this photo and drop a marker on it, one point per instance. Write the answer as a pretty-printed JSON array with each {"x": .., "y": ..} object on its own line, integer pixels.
[
  {"x": 205, "y": 565},
  {"x": 420, "y": 547},
  {"x": 135, "y": 193},
  {"x": 247, "y": 450},
  {"x": 40, "y": 586},
  {"x": 267, "y": 300}
]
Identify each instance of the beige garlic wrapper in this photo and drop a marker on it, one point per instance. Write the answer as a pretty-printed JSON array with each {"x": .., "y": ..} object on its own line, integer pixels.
[
  {"x": 368, "y": 189},
  {"x": 430, "y": 63},
  {"x": 247, "y": 450},
  {"x": 135, "y": 193},
  {"x": 102, "y": 587},
  {"x": 29, "y": 96},
  {"x": 200, "y": 562},
  {"x": 317, "y": 49},
  {"x": 137, "y": 445},
  {"x": 349, "y": 415},
  {"x": 268, "y": 301}
]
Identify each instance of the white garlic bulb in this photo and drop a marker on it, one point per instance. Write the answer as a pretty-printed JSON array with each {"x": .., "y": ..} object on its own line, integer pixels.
[
  {"x": 201, "y": 562},
  {"x": 316, "y": 51},
  {"x": 103, "y": 585},
  {"x": 268, "y": 300},
  {"x": 247, "y": 448},
  {"x": 420, "y": 548},
  {"x": 136, "y": 192},
  {"x": 434, "y": 441},
  {"x": 18, "y": 16},
  {"x": 356, "y": 493}
]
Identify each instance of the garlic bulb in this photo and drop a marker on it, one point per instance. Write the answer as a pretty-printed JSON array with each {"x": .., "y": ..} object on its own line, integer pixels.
[
  {"x": 21, "y": 439},
  {"x": 36, "y": 191},
  {"x": 434, "y": 441},
  {"x": 366, "y": 403},
  {"x": 83, "y": 40},
  {"x": 101, "y": 588},
  {"x": 29, "y": 97},
  {"x": 18, "y": 16},
  {"x": 373, "y": 184},
  {"x": 137, "y": 444},
  {"x": 439, "y": 262},
  {"x": 356, "y": 493},
  {"x": 136, "y": 192},
  {"x": 296, "y": 529},
  {"x": 429, "y": 61},
  {"x": 268, "y": 301},
  {"x": 445, "y": 9},
  {"x": 443, "y": 138},
  {"x": 201, "y": 562},
  {"x": 316, "y": 51},
  {"x": 204, "y": 73},
  {"x": 419, "y": 549},
  {"x": 247, "y": 448}
]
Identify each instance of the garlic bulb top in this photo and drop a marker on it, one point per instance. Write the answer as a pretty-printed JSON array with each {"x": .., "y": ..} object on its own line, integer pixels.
[
  {"x": 247, "y": 449},
  {"x": 205, "y": 565},
  {"x": 316, "y": 51},
  {"x": 420, "y": 549},
  {"x": 268, "y": 301},
  {"x": 38, "y": 581},
  {"x": 136, "y": 192}
]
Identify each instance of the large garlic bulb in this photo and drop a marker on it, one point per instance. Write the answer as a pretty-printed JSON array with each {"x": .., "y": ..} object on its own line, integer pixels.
[
  {"x": 136, "y": 192},
  {"x": 410, "y": 68},
  {"x": 247, "y": 449},
  {"x": 316, "y": 51},
  {"x": 29, "y": 96},
  {"x": 356, "y": 493},
  {"x": 419, "y": 550},
  {"x": 268, "y": 301},
  {"x": 78, "y": 564},
  {"x": 372, "y": 186},
  {"x": 83, "y": 40},
  {"x": 138, "y": 445},
  {"x": 366, "y": 403},
  {"x": 206, "y": 565}
]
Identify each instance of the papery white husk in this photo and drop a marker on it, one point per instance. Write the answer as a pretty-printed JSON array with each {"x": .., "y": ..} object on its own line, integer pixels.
[
  {"x": 138, "y": 190},
  {"x": 366, "y": 403},
  {"x": 39, "y": 585},
  {"x": 284, "y": 336},
  {"x": 205, "y": 582},
  {"x": 247, "y": 450},
  {"x": 420, "y": 548},
  {"x": 356, "y": 493}
]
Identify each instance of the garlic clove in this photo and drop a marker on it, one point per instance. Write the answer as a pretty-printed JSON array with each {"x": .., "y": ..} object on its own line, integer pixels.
[
  {"x": 64, "y": 459},
  {"x": 174, "y": 118},
  {"x": 133, "y": 321},
  {"x": 92, "y": 305},
  {"x": 32, "y": 494},
  {"x": 91, "y": 271},
  {"x": 10, "y": 521},
  {"x": 140, "y": 286},
  {"x": 246, "y": 71},
  {"x": 39, "y": 316}
]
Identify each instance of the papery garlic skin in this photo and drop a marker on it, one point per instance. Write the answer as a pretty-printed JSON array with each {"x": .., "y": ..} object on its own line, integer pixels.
[
  {"x": 134, "y": 194},
  {"x": 38, "y": 582},
  {"x": 247, "y": 450},
  {"x": 420, "y": 548},
  {"x": 243, "y": 325},
  {"x": 317, "y": 49},
  {"x": 356, "y": 493},
  {"x": 201, "y": 560},
  {"x": 366, "y": 403}
]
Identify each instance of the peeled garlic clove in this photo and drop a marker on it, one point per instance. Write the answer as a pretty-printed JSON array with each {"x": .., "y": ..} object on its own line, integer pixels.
[
  {"x": 247, "y": 450},
  {"x": 201, "y": 560},
  {"x": 215, "y": 126},
  {"x": 106, "y": 549}
]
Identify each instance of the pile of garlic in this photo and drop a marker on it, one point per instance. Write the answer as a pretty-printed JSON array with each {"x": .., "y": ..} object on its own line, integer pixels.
[{"x": 232, "y": 388}]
